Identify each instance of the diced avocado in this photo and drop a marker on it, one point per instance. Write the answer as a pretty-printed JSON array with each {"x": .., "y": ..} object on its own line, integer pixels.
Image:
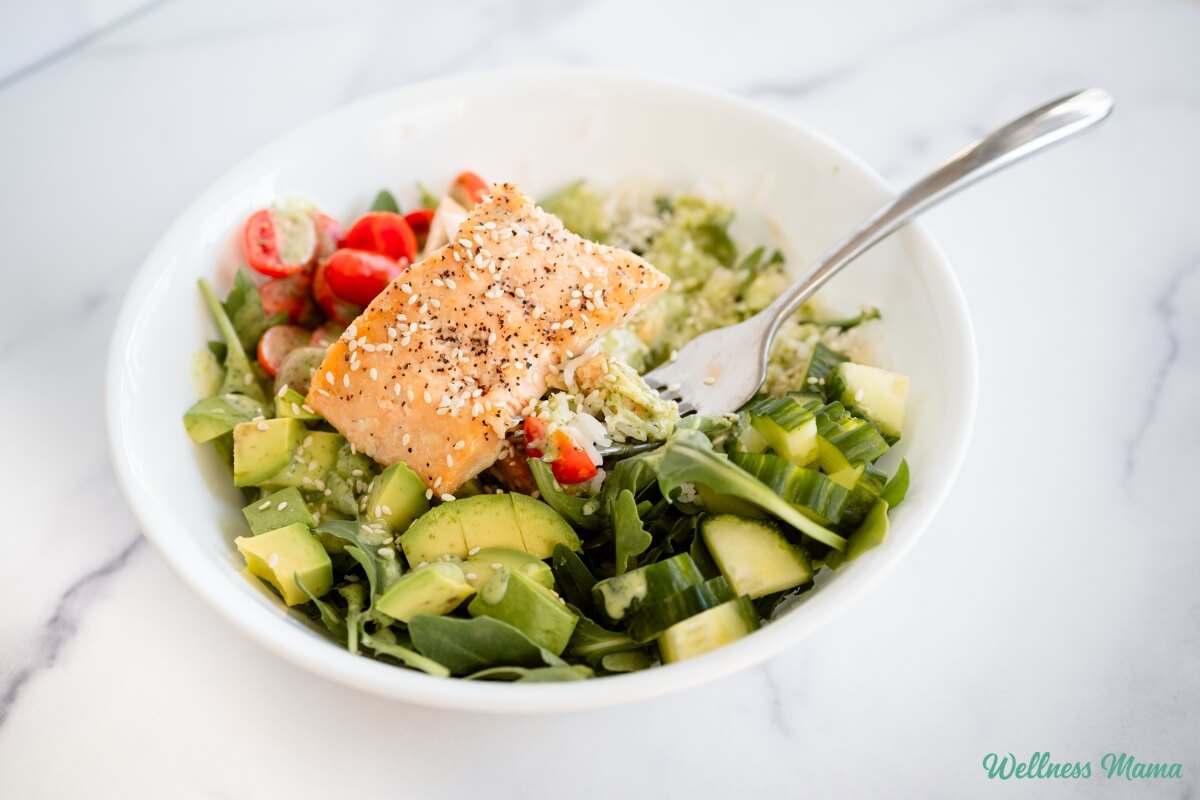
[
  {"x": 280, "y": 555},
  {"x": 619, "y": 595},
  {"x": 312, "y": 460},
  {"x": 528, "y": 606},
  {"x": 480, "y": 566},
  {"x": 874, "y": 393},
  {"x": 290, "y": 403},
  {"x": 489, "y": 521},
  {"x": 436, "y": 589},
  {"x": 513, "y": 521},
  {"x": 754, "y": 555},
  {"x": 541, "y": 527},
  {"x": 277, "y": 510},
  {"x": 708, "y": 630},
  {"x": 354, "y": 466},
  {"x": 216, "y": 416},
  {"x": 845, "y": 441},
  {"x": 263, "y": 448},
  {"x": 435, "y": 534},
  {"x": 788, "y": 425},
  {"x": 397, "y": 497}
]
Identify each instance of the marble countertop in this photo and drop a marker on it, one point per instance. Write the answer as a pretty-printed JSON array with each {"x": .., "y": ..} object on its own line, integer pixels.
[{"x": 1052, "y": 606}]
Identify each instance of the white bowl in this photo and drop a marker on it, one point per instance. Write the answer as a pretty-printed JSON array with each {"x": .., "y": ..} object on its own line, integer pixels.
[{"x": 539, "y": 130}]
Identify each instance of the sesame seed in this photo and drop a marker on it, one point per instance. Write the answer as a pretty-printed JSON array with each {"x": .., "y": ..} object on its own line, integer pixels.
[
  {"x": 295, "y": 409},
  {"x": 465, "y": 243},
  {"x": 307, "y": 408},
  {"x": 471, "y": 576},
  {"x": 249, "y": 379},
  {"x": 265, "y": 505},
  {"x": 427, "y": 396},
  {"x": 273, "y": 560},
  {"x": 374, "y": 373},
  {"x": 357, "y": 473},
  {"x": 429, "y": 494},
  {"x": 406, "y": 288},
  {"x": 446, "y": 498},
  {"x": 473, "y": 275},
  {"x": 329, "y": 378},
  {"x": 460, "y": 444},
  {"x": 378, "y": 511},
  {"x": 262, "y": 426},
  {"x": 450, "y": 284},
  {"x": 346, "y": 380},
  {"x": 410, "y": 395},
  {"x": 672, "y": 387},
  {"x": 449, "y": 460},
  {"x": 473, "y": 551},
  {"x": 710, "y": 380},
  {"x": 308, "y": 440},
  {"x": 281, "y": 506},
  {"x": 387, "y": 510},
  {"x": 413, "y": 299},
  {"x": 496, "y": 565},
  {"x": 438, "y": 282},
  {"x": 858, "y": 396},
  {"x": 282, "y": 391}
]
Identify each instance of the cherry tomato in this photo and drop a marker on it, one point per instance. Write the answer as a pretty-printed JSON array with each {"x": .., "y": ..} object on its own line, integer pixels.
[
  {"x": 573, "y": 464},
  {"x": 277, "y": 343},
  {"x": 467, "y": 189},
  {"x": 535, "y": 435},
  {"x": 278, "y": 242},
  {"x": 358, "y": 275},
  {"x": 292, "y": 296},
  {"x": 329, "y": 233},
  {"x": 337, "y": 309},
  {"x": 325, "y": 335},
  {"x": 382, "y": 232},
  {"x": 419, "y": 221}
]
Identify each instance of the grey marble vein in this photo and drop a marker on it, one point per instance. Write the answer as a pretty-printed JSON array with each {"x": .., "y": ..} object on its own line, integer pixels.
[
  {"x": 775, "y": 701},
  {"x": 1166, "y": 313},
  {"x": 61, "y": 627}
]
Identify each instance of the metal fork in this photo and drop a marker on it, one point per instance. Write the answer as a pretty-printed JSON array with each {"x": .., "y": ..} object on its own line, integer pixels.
[{"x": 718, "y": 371}]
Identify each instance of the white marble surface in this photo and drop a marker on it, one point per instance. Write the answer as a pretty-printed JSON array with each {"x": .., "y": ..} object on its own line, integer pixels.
[{"x": 1052, "y": 606}]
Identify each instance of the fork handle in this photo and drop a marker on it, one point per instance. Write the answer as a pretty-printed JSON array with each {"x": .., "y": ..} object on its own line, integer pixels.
[{"x": 1003, "y": 147}]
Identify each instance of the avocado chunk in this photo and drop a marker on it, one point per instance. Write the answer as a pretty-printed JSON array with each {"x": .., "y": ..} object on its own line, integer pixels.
[
  {"x": 290, "y": 403},
  {"x": 397, "y": 497},
  {"x": 219, "y": 415},
  {"x": 282, "y": 555},
  {"x": 512, "y": 521},
  {"x": 435, "y": 534},
  {"x": 264, "y": 447},
  {"x": 541, "y": 527},
  {"x": 480, "y": 565},
  {"x": 277, "y": 510},
  {"x": 311, "y": 461},
  {"x": 528, "y": 606},
  {"x": 436, "y": 589}
]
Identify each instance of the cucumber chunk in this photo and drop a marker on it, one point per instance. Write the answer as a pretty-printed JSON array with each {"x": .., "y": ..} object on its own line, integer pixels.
[
  {"x": 653, "y": 618},
  {"x": 708, "y": 630},
  {"x": 819, "y": 497},
  {"x": 788, "y": 425},
  {"x": 617, "y": 596},
  {"x": 823, "y": 362},
  {"x": 865, "y": 483},
  {"x": 754, "y": 555},
  {"x": 845, "y": 441},
  {"x": 873, "y": 393}
]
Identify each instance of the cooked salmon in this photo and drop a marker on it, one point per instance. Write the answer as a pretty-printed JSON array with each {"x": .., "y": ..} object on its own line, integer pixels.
[{"x": 440, "y": 365}]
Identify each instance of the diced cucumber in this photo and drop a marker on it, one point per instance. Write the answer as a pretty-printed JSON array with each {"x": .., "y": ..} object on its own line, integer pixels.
[
  {"x": 824, "y": 361},
  {"x": 290, "y": 403},
  {"x": 869, "y": 535},
  {"x": 845, "y": 441},
  {"x": 618, "y": 595},
  {"x": 708, "y": 630},
  {"x": 754, "y": 555},
  {"x": 873, "y": 393},
  {"x": 820, "y": 498},
  {"x": 652, "y": 619},
  {"x": 788, "y": 425},
  {"x": 865, "y": 483}
]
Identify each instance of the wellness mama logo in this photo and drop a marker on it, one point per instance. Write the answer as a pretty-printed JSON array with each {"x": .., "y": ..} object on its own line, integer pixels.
[{"x": 1112, "y": 765}]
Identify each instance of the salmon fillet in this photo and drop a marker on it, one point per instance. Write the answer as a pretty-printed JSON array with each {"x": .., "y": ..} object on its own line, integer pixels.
[{"x": 440, "y": 365}]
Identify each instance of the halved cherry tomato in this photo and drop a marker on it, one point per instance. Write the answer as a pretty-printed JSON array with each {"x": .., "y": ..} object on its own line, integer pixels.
[
  {"x": 358, "y": 275},
  {"x": 382, "y": 232},
  {"x": 535, "y": 435},
  {"x": 419, "y": 221},
  {"x": 329, "y": 233},
  {"x": 573, "y": 464},
  {"x": 292, "y": 296},
  {"x": 337, "y": 309},
  {"x": 467, "y": 189},
  {"x": 278, "y": 242},
  {"x": 276, "y": 343},
  {"x": 326, "y": 335}
]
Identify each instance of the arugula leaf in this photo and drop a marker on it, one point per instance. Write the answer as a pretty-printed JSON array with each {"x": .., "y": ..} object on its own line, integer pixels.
[
  {"x": 384, "y": 572},
  {"x": 688, "y": 457},
  {"x": 383, "y": 643},
  {"x": 353, "y": 595},
  {"x": 633, "y": 475},
  {"x": 239, "y": 375},
  {"x": 245, "y": 310},
  {"x": 574, "y": 672},
  {"x": 384, "y": 201},
  {"x": 630, "y": 537},
  {"x": 573, "y": 578},
  {"x": 428, "y": 198},
  {"x": 469, "y": 645},
  {"x": 572, "y": 509},
  {"x": 591, "y": 642},
  {"x": 367, "y": 562},
  {"x": 897, "y": 488},
  {"x": 329, "y": 615}
]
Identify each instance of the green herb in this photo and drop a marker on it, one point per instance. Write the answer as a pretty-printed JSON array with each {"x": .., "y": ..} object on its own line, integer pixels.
[
  {"x": 469, "y": 645},
  {"x": 897, "y": 488},
  {"x": 591, "y": 642},
  {"x": 428, "y": 198},
  {"x": 572, "y": 509},
  {"x": 245, "y": 310},
  {"x": 574, "y": 672},
  {"x": 630, "y": 537},
  {"x": 573, "y": 578},
  {"x": 384, "y": 643},
  {"x": 239, "y": 376},
  {"x": 329, "y": 615},
  {"x": 384, "y": 201}
]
